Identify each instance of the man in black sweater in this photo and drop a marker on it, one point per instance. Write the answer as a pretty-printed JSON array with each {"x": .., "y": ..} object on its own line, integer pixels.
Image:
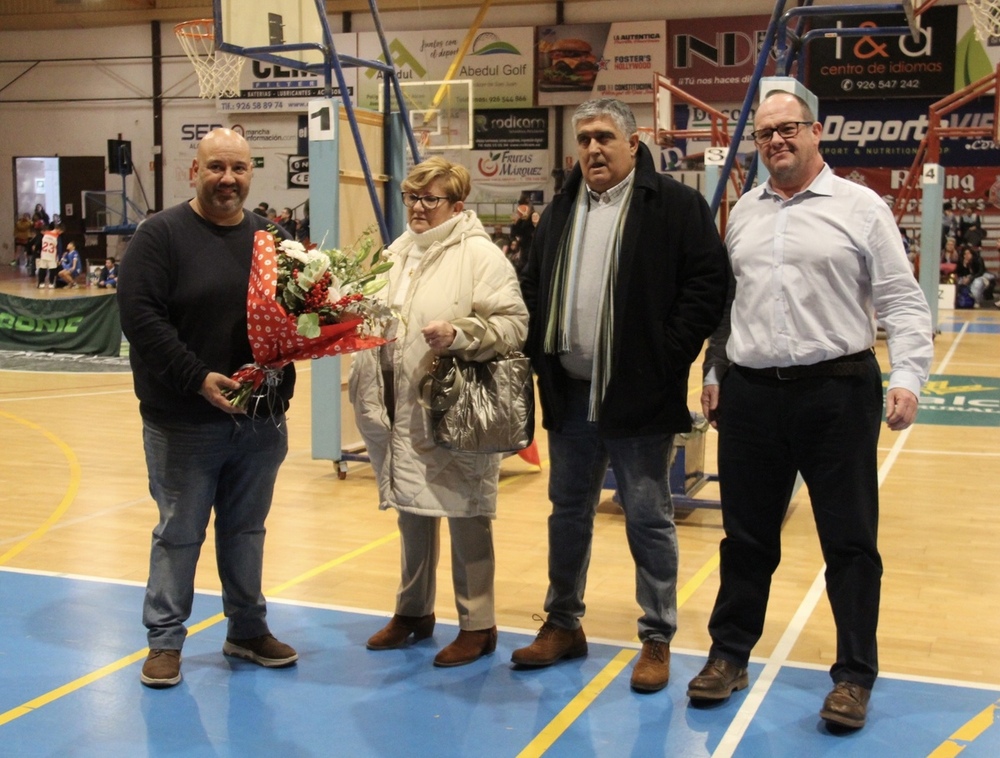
[{"x": 182, "y": 293}]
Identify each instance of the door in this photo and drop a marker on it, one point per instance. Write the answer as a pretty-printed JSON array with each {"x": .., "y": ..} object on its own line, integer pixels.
[{"x": 76, "y": 174}]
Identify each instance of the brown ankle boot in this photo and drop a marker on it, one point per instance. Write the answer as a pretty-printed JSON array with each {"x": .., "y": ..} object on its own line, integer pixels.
[
  {"x": 395, "y": 634},
  {"x": 467, "y": 647}
]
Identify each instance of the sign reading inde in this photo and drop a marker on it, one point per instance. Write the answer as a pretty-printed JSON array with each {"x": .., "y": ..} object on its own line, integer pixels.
[{"x": 950, "y": 400}]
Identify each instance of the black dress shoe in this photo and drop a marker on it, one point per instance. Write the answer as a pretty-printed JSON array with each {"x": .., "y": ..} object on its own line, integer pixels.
[
  {"x": 717, "y": 680},
  {"x": 846, "y": 705}
]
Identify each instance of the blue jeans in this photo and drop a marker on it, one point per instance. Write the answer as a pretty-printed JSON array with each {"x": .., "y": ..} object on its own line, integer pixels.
[
  {"x": 230, "y": 464},
  {"x": 579, "y": 459}
]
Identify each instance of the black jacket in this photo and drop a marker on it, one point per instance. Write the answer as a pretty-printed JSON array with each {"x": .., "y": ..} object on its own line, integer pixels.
[{"x": 670, "y": 294}]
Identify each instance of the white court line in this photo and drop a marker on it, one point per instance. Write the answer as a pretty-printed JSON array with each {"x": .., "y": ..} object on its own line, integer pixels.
[
  {"x": 751, "y": 704},
  {"x": 55, "y": 396},
  {"x": 951, "y": 352}
]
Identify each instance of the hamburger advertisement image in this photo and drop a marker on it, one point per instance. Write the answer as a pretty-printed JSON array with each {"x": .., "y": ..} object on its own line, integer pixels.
[
  {"x": 577, "y": 61},
  {"x": 572, "y": 65}
]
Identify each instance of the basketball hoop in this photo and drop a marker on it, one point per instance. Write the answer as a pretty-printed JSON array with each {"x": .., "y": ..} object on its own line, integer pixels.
[
  {"x": 646, "y": 136},
  {"x": 986, "y": 17},
  {"x": 218, "y": 72},
  {"x": 423, "y": 138}
]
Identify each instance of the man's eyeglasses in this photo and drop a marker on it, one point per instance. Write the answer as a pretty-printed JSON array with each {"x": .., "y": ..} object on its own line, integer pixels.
[
  {"x": 430, "y": 202},
  {"x": 787, "y": 130}
]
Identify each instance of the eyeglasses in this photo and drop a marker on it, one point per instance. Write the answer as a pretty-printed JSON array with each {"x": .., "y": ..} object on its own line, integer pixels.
[
  {"x": 787, "y": 130},
  {"x": 430, "y": 202}
]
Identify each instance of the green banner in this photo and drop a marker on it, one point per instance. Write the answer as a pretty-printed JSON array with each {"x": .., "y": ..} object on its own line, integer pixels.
[
  {"x": 80, "y": 325},
  {"x": 950, "y": 400}
]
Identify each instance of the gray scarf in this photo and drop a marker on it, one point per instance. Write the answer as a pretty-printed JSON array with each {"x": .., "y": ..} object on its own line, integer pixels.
[{"x": 563, "y": 294}]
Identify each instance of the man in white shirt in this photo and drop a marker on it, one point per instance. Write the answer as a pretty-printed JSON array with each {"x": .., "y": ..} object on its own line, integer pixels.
[{"x": 814, "y": 257}]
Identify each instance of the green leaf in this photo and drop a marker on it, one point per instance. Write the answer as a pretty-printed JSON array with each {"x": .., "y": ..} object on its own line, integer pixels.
[{"x": 308, "y": 325}]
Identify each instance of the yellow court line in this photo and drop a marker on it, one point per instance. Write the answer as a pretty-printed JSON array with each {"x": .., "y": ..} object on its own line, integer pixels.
[
  {"x": 128, "y": 660},
  {"x": 71, "y": 491},
  {"x": 565, "y": 718},
  {"x": 554, "y": 729},
  {"x": 967, "y": 733}
]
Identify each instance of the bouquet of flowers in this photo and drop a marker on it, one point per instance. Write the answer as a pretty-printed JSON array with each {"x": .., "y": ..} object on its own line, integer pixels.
[{"x": 309, "y": 304}]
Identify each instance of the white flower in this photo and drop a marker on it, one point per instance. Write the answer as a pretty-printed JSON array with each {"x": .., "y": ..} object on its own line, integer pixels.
[{"x": 295, "y": 250}]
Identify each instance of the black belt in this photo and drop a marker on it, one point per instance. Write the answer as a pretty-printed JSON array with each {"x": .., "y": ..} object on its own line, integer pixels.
[{"x": 855, "y": 364}]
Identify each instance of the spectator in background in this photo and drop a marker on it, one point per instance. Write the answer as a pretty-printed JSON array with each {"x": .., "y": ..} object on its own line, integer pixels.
[
  {"x": 41, "y": 215},
  {"x": 972, "y": 273},
  {"x": 23, "y": 232},
  {"x": 34, "y": 250},
  {"x": 286, "y": 222},
  {"x": 949, "y": 224},
  {"x": 302, "y": 230},
  {"x": 949, "y": 259},
  {"x": 262, "y": 208},
  {"x": 974, "y": 235},
  {"x": 966, "y": 221},
  {"x": 109, "y": 275},
  {"x": 522, "y": 229}
]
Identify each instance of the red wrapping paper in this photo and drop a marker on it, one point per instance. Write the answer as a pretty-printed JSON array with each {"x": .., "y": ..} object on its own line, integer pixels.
[{"x": 274, "y": 340}]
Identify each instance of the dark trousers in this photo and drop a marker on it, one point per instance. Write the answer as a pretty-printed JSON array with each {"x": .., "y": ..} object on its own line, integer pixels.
[{"x": 826, "y": 428}]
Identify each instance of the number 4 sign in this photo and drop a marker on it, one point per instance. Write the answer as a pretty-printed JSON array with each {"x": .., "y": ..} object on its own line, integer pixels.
[{"x": 932, "y": 173}]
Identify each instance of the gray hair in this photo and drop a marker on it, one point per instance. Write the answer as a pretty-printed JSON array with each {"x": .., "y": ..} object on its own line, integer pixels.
[{"x": 614, "y": 109}]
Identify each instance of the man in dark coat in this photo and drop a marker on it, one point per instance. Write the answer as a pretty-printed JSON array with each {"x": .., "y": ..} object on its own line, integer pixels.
[{"x": 626, "y": 279}]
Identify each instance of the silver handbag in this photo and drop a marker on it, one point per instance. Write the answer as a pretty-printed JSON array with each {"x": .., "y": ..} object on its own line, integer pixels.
[{"x": 480, "y": 406}]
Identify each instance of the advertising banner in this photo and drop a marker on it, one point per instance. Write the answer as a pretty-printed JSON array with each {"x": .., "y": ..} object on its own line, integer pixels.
[
  {"x": 973, "y": 59},
  {"x": 270, "y": 88},
  {"x": 79, "y": 325},
  {"x": 887, "y": 133},
  {"x": 973, "y": 187},
  {"x": 498, "y": 63},
  {"x": 714, "y": 58},
  {"x": 526, "y": 129},
  {"x": 579, "y": 61},
  {"x": 508, "y": 170},
  {"x": 879, "y": 67}
]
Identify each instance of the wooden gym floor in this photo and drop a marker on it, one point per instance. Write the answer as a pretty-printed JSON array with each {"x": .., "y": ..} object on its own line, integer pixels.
[{"x": 74, "y": 539}]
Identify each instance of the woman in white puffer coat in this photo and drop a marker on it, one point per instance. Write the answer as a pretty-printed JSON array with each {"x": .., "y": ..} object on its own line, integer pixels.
[{"x": 455, "y": 293}]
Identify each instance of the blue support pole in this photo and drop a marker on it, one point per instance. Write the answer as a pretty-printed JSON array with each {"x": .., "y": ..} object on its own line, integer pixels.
[
  {"x": 324, "y": 213},
  {"x": 931, "y": 219}
]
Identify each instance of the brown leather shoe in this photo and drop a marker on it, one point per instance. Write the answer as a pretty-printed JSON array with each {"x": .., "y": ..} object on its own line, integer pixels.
[
  {"x": 846, "y": 705},
  {"x": 717, "y": 680},
  {"x": 395, "y": 634},
  {"x": 468, "y": 646},
  {"x": 161, "y": 669},
  {"x": 652, "y": 671},
  {"x": 552, "y": 643}
]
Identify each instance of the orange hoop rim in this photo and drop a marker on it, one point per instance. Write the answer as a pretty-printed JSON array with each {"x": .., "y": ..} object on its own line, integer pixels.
[{"x": 182, "y": 30}]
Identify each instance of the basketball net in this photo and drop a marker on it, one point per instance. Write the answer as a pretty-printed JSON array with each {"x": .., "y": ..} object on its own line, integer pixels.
[
  {"x": 986, "y": 17},
  {"x": 218, "y": 72}
]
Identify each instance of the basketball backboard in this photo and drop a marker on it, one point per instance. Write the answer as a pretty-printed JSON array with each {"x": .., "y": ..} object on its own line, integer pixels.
[
  {"x": 911, "y": 19},
  {"x": 268, "y": 23},
  {"x": 441, "y": 113}
]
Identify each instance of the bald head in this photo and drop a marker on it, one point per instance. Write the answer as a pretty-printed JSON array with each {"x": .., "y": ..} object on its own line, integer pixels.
[{"x": 224, "y": 171}]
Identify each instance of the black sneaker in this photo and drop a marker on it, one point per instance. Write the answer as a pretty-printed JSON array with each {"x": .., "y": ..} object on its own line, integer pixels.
[{"x": 264, "y": 651}]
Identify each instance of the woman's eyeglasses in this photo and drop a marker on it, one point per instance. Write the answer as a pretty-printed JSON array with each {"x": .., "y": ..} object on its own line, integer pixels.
[
  {"x": 430, "y": 202},
  {"x": 787, "y": 130}
]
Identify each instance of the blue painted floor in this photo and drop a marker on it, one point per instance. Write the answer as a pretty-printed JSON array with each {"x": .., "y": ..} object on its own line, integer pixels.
[{"x": 344, "y": 700}]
